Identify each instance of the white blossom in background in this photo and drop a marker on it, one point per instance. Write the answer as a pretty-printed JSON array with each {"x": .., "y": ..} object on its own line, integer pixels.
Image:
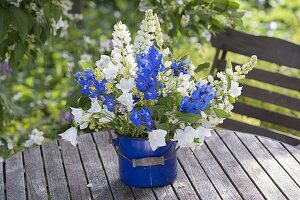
[
  {"x": 105, "y": 46},
  {"x": 85, "y": 58},
  {"x": 89, "y": 40},
  {"x": 1, "y": 160},
  {"x": 185, "y": 19},
  {"x": 157, "y": 138},
  {"x": 60, "y": 24},
  {"x": 206, "y": 34},
  {"x": 36, "y": 137},
  {"x": 15, "y": 3},
  {"x": 70, "y": 135}
]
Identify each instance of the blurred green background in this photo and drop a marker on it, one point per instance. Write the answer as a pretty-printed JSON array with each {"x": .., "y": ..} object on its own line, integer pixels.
[{"x": 40, "y": 90}]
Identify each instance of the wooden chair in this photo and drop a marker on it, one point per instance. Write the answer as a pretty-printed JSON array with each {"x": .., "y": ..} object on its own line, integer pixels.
[{"x": 272, "y": 50}]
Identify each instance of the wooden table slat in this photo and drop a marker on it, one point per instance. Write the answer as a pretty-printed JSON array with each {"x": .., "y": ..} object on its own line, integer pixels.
[
  {"x": 232, "y": 168},
  {"x": 251, "y": 166},
  {"x": 293, "y": 151},
  {"x": 143, "y": 193},
  {"x": 229, "y": 166},
  {"x": 282, "y": 179},
  {"x": 215, "y": 173},
  {"x": 182, "y": 185},
  {"x": 1, "y": 182},
  {"x": 110, "y": 160},
  {"x": 57, "y": 183},
  {"x": 286, "y": 160},
  {"x": 196, "y": 174},
  {"x": 94, "y": 169},
  {"x": 15, "y": 181},
  {"x": 75, "y": 172},
  {"x": 35, "y": 177},
  {"x": 165, "y": 193}
]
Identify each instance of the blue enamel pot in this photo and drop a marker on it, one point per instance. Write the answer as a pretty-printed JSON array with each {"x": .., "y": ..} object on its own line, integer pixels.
[{"x": 140, "y": 166}]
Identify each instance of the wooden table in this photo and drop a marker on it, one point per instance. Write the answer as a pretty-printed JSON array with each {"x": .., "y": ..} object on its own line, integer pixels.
[{"x": 229, "y": 166}]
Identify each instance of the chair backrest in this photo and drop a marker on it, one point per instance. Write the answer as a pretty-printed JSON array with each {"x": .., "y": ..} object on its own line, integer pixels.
[{"x": 273, "y": 50}]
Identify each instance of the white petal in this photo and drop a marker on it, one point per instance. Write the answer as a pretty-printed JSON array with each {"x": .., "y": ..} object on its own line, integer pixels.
[
  {"x": 125, "y": 84},
  {"x": 77, "y": 113},
  {"x": 95, "y": 107},
  {"x": 89, "y": 185},
  {"x": 70, "y": 135},
  {"x": 157, "y": 138}
]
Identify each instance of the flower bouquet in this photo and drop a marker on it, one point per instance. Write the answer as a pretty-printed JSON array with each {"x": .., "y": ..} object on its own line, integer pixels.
[{"x": 152, "y": 102}]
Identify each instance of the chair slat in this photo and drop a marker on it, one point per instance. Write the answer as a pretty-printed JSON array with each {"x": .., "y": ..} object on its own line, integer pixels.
[
  {"x": 271, "y": 97},
  {"x": 243, "y": 127},
  {"x": 265, "y": 76},
  {"x": 267, "y": 116},
  {"x": 266, "y": 48}
]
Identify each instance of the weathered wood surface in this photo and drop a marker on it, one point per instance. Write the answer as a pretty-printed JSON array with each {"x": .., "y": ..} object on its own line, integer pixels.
[
  {"x": 229, "y": 166},
  {"x": 34, "y": 172}
]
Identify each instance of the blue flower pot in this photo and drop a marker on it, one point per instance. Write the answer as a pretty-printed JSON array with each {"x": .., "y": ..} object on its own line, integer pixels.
[{"x": 139, "y": 166}]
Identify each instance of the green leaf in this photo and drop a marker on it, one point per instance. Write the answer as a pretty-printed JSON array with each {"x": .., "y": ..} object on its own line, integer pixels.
[
  {"x": 178, "y": 98},
  {"x": 188, "y": 117},
  {"x": 73, "y": 98},
  {"x": 201, "y": 67},
  {"x": 167, "y": 101},
  {"x": 20, "y": 51},
  {"x": 85, "y": 102},
  {"x": 21, "y": 21},
  {"x": 86, "y": 65},
  {"x": 4, "y": 22},
  {"x": 164, "y": 126},
  {"x": 221, "y": 113},
  {"x": 12, "y": 37},
  {"x": 233, "y": 5},
  {"x": 159, "y": 109}
]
